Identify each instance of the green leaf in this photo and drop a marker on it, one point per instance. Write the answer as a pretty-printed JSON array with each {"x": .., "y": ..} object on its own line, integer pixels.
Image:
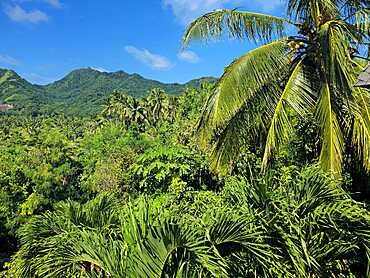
[{"x": 238, "y": 24}]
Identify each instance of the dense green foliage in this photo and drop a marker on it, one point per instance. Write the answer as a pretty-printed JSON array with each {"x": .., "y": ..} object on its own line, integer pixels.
[
  {"x": 311, "y": 72},
  {"x": 80, "y": 93},
  {"x": 296, "y": 225},
  {"x": 44, "y": 160},
  {"x": 130, "y": 192},
  {"x": 115, "y": 196}
]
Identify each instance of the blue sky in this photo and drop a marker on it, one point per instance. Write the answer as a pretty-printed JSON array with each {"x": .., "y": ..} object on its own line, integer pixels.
[{"x": 43, "y": 40}]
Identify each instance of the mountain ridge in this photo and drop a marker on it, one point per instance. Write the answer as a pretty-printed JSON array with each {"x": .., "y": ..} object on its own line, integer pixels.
[
  {"x": 81, "y": 92},
  {"x": 119, "y": 72}
]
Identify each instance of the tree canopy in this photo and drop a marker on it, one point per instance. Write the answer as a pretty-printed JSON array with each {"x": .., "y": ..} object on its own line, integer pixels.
[{"x": 311, "y": 72}]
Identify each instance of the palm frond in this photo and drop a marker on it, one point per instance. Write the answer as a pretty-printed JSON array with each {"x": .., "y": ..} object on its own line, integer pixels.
[
  {"x": 298, "y": 94},
  {"x": 170, "y": 250},
  {"x": 342, "y": 73},
  {"x": 361, "y": 21},
  {"x": 361, "y": 127},
  {"x": 331, "y": 134},
  {"x": 248, "y": 125},
  {"x": 238, "y": 24},
  {"x": 307, "y": 10},
  {"x": 351, "y": 7},
  {"x": 245, "y": 237},
  {"x": 241, "y": 82}
]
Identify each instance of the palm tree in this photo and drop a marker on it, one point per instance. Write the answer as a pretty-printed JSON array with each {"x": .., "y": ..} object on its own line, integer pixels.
[
  {"x": 171, "y": 111},
  {"x": 136, "y": 112},
  {"x": 116, "y": 106},
  {"x": 310, "y": 228},
  {"x": 312, "y": 72},
  {"x": 127, "y": 108},
  {"x": 157, "y": 104}
]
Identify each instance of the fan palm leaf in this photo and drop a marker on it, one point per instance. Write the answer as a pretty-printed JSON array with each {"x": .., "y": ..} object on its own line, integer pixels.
[
  {"x": 310, "y": 228},
  {"x": 167, "y": 250}
]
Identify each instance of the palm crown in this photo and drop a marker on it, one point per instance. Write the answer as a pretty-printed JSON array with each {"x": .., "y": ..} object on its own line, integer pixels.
[
  {"x": 312, "y": 72},
  {"x": 128, "y": 109}
]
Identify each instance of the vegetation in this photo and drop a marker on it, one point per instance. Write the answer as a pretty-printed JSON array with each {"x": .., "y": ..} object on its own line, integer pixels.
[
  {"x": 311, "y": 73},
  {"x": 237, "y": 233},
  {"x": 80, "y": 93},
  {"x": 117, "y": 197},
  {"x": 133, "y": 192}
]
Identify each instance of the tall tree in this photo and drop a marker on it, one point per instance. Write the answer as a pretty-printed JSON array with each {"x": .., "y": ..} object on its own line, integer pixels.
[
  {"x": 127, "y": 108},
  {"x": 313, "y": 71},
  {"x": 157, "y": 103}
]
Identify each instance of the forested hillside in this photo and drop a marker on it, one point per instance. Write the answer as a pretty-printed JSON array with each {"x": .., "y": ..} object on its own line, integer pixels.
[
  {"x": 80, "y": 93},
  {"x": 16, "y": 91}
]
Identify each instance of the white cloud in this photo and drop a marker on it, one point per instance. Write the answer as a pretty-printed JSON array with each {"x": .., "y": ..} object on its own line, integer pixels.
[
  {"x": 8, "y": 60},
  {"x": 18, "y": 14},
  {"x": 152, "y": 60},
  {"x": 35, "y": 78},
  {"x": 55, "y": 3},
  {"x": 100, "y": 69},
  {"x": 188, "y": 56},
  {"x": 187, "y": 10}
]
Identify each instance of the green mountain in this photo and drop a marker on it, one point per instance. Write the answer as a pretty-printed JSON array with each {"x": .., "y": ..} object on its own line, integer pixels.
[
  {"x": 82, "y": 92},
  {"x": 20, "y": 93}
]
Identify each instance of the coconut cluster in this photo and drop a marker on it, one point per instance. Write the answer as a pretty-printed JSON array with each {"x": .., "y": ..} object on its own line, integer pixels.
[{"x": 294, "y": 45}]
